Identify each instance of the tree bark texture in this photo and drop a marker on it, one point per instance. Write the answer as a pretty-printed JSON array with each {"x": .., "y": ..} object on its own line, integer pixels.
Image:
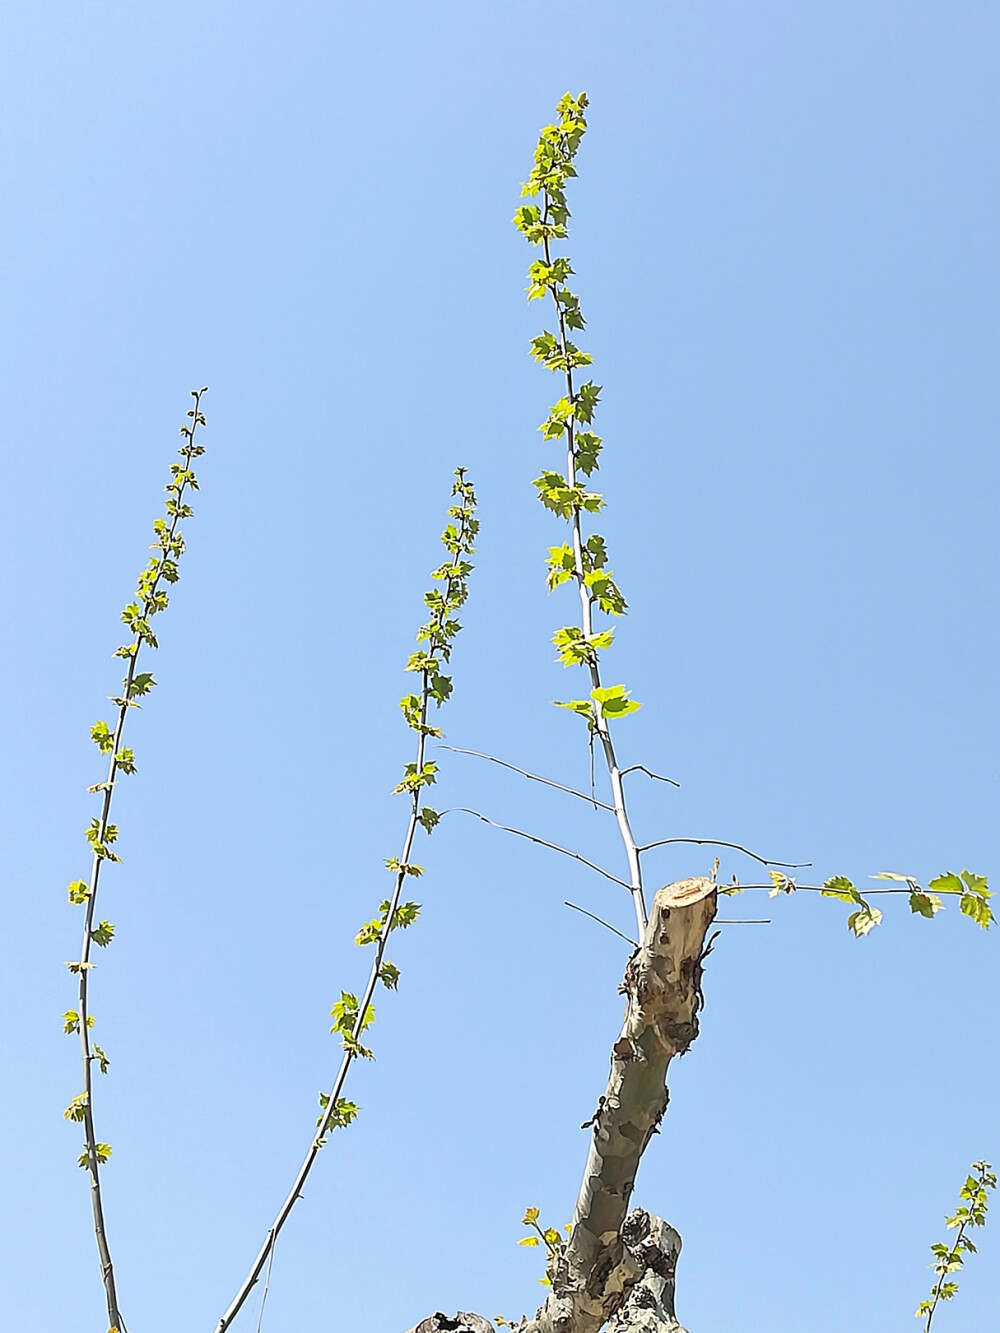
[{"x": 617, "y": 1266}]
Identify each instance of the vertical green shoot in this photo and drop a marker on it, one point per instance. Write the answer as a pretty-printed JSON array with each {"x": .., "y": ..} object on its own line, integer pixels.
[
  {"x": 102, "y": 834},
  {"x": 583, "y": 559},
  {"x": 949, "y": 1259},
  {"x": 353, "y": 1015}
]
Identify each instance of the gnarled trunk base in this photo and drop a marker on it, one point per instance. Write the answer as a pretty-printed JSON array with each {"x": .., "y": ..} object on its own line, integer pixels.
[{"x": 654, "y": 1245}]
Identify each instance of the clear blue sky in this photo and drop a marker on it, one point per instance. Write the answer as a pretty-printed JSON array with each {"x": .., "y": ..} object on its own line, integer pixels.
[{"x": 785, "y": 241}]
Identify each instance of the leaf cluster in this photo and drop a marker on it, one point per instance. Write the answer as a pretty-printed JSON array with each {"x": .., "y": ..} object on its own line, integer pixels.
[
  {"x": 351, "y": 1015},
  {"x": 570, "y": 418},
  {"x": 150, "y": 599},
  {"x": 949, "y": 1259}
]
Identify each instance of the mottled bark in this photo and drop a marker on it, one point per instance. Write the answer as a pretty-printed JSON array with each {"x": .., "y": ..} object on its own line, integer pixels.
[
  {"x": 618, "y": 1267},
  {"x": 649, "y": 1308},
  {"x": 462, "y": 1323}
]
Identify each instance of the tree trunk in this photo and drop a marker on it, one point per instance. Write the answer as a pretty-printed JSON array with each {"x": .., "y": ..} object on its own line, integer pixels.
[{"x": 618, "y": 1266}]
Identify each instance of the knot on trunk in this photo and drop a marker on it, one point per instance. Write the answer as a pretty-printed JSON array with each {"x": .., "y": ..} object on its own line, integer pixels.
[
  {"x": 462, "y": 1323},
  {"x": 649, "y": 1306}
]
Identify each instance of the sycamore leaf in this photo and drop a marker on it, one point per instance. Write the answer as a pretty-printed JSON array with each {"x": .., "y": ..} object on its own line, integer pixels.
[
  {"x": 972, "y": 905},
  {"x": 864, "y": 920},
  {"x": 781, "y": 882},
  {"x": 530, "y": 1215},
  {"x": 947, "y": 883},
  {"x": 925, "y": 904},
  {"x": 528, "y": 1240},
  {"x": 614, "y": 701},
  {"x": 840, "y": 887}
]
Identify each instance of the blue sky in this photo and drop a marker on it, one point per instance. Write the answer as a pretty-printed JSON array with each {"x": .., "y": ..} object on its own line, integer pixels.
[{"x": 784, "y": 238}]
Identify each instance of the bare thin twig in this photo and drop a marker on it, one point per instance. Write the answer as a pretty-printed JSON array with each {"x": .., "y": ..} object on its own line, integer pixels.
[
  {"x": 601, "y": 922},
  {"x": 736, "y": 847},
  {"x": 591, "y": 800},
  {"x": 741, "y": 921},
  {"x": 542, "y": 842},
  {"x": 641, "y": 768},
  {"x": 267, "y": 1287}
]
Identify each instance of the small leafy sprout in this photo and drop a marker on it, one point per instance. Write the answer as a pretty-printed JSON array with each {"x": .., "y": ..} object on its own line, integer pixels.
[
  {"x": 350, "y": 1023},
  {"x": 949, "y": 1259},
  {"x": 102, "y": 1151},
  {"x": 71, "y": 1021},
  {"x": 554, "y": 1242},
  {"x": 782, "y": 883},
  {"x": 103, "y": 934},
  {"x": 77, "y": 1109},
  {"x": 342, "y": 1114}
]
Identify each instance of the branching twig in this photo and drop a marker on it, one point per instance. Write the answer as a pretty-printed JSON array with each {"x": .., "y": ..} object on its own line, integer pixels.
[
  {"x": 542, "y": 842},
  {"x": 735, "y": 846},
  {"x": 571, "y": 791},
  {"x": 354, "y": 1016},
  {"x": 641, "y": 768},
  {"x": 102, "y": 834}
]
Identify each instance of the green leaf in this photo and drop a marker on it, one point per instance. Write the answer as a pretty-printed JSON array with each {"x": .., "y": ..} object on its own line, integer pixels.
[
  {"x": 343, "y": 1111},
  {"x": 77, "y": 1109},
  {"x": 614, "y": 701},
  {"x": 102, "y": 736},
  {"x": 404, "y": 915},
  {"x": 976, "y": 883},
  {"x": 394, "y": 864},
  {"x": 101, "y": 1150},
  {"x": 947, "y": 883},
  {"x": 925, "y": 904},
  {"x": 576, "y": 648},
  {"x": 528, "y": 1241},
  {"x": 125, "y": 760},
  {"x": 389, "y": 975},
  {"x": 864, "y": 920},
  {"x": 782, "y": 883},
  {"x": 530, "y": 1215},
  {"x": 561, "y": 565},
  {"x": 840, "y": 887},
  {"x": 413, "y": 779},
  {"x": 429, "y": 818},
  {"x": 977, "y": 908},
  {"x": 369, "y": 932},
  {"x": 141, "y": 684},
  {"x": 588, "y": 449},
  {"x": 78, "y": 892},
  {"x": 103, "y": 934}
]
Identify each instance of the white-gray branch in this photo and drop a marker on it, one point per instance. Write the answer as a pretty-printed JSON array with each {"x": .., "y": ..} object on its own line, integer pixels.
[{"x": 619, "y": 1267}]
